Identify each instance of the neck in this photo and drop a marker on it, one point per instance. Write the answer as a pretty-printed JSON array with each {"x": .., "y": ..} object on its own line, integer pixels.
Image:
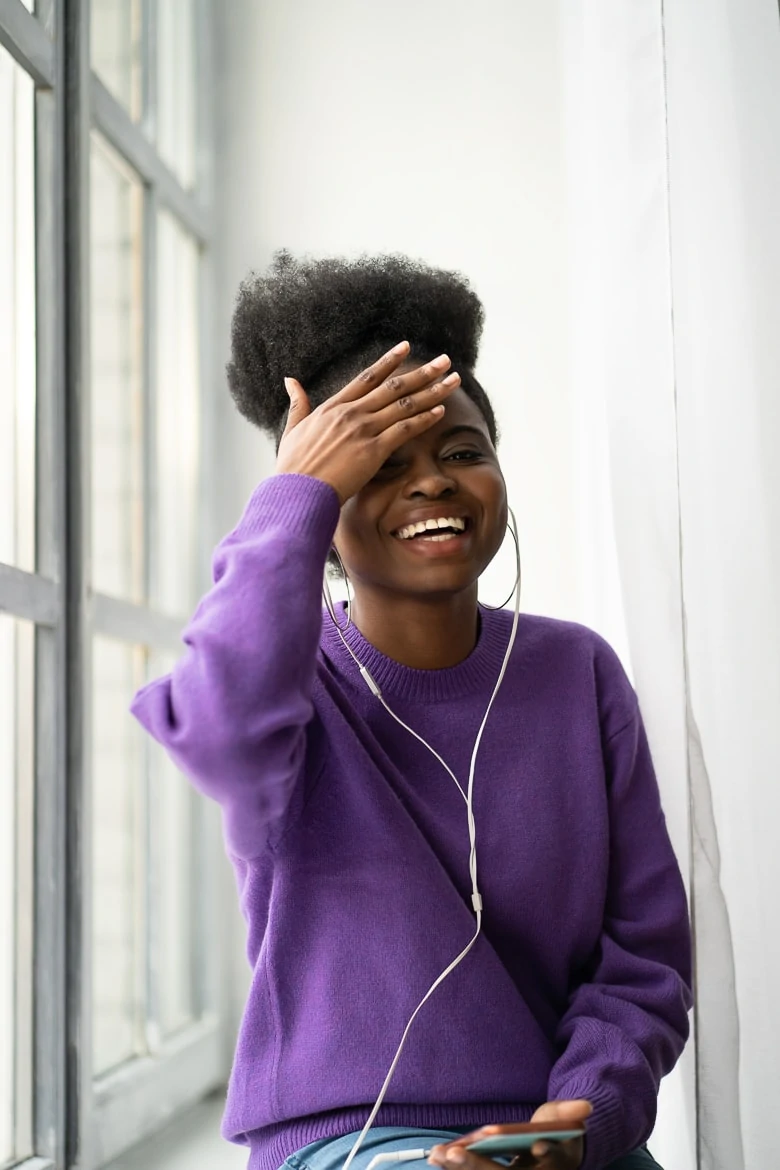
[{"x": 424, "y": 633}]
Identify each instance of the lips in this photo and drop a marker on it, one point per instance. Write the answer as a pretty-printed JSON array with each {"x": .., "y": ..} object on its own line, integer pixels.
[
  {"x": 434, "y": 537},
  {"x": 432, "y": 528}
]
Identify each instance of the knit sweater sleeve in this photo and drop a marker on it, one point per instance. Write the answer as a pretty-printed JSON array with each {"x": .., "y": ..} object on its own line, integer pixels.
[
  {"x": 233, "y": 712},
  {"x": 627, "y": 1023}
]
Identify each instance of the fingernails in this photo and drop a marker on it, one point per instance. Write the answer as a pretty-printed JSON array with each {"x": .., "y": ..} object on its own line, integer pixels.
[
  {"x": 450, "y": 380},
  {"x": 288, "y": 386},
  {"x": 540, "y": 1149},
  {"x": 447, "y": 1156},
  {"x": 400, "y": 348},
  {"x": 439, "y": 363}
]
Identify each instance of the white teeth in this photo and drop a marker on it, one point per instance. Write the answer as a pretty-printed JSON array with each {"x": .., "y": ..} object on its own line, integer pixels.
[{"x": 410, "y": 530}]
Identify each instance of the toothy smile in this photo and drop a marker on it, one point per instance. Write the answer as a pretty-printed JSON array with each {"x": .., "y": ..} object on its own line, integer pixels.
[{"x": 440, "y": 528}]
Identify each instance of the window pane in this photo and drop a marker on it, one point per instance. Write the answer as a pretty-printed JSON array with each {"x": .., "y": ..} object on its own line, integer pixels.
[
  {"x": 118, "y": 858},
  {"x": 172, "y": 828},
  {"x": 171, "y": 806},
  {"x": 177, "y": 418},
  {"x": 17, "y": 316},
  {"x": 116, "y": 49},
  {"x": 117, "y": 376},
  {"x": 176, "y": 104},
  {"x": 16, "y": 894}
]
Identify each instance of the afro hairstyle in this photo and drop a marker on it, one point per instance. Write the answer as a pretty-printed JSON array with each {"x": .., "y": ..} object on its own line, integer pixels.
[{"x": 322, "y": 321}]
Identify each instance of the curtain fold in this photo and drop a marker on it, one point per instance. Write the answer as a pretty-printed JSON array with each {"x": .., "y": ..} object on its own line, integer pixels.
[
  {"x": 723, "y": 98},
  {"x": 673, "y": 133},
  {"x": 622, "y": 368}
]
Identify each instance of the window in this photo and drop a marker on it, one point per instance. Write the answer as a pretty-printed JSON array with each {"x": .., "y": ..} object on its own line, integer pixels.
[
  {"x": 117, "y": 50},
  {"x": 17, "y": 551},
  {"x": 119, "y": 860},
  {"x": 117, "y": 375},
  {"x": 176, "y": 87},
  {"x": 17, "y": 319},
  {"x": 105, "y": 852},
  {"x": 16, "y": 766},
  {"x": 177, "y": 418}
]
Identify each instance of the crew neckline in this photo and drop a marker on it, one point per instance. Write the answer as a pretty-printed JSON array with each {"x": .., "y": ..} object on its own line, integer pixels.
[{"x": 473, "y": 675}]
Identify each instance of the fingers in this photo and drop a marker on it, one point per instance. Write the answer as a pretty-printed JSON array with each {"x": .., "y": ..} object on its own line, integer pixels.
[
  {"x": 563, "y": 1111},
  {"x": 557, "y": 1155},
  {"x": 454, "y": 1155},
  {"x": 405, "y": 429},
  {"x": 369, "y": 379},
  {"x": 551, "y": 1155},
  {"x": 542, "y": 1156},
  {"x": 399, "y": 386},
  {"x": 299, "y": 404},
  {"x": 379, "y": 385},
  {"x": 413, "y": 404}
]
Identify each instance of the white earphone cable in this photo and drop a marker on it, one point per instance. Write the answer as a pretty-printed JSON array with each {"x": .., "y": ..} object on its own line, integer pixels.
[{"x": 476, "y": 898}]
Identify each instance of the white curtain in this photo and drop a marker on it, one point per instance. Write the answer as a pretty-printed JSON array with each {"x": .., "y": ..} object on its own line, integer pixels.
[{"x": 673, "y": 130}]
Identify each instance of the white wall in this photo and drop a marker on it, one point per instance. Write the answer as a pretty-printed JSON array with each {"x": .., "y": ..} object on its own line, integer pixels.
[{"x": 430, "y": 127}]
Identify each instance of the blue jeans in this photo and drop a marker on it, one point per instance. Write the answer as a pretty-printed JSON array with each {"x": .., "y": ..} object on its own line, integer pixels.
[{"x": 331, "y": 1153}]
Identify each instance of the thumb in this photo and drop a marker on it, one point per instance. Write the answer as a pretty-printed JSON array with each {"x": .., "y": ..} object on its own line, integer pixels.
[
  {"x": 563, "y": 1111},
  {"x": 299, "y": 403}
]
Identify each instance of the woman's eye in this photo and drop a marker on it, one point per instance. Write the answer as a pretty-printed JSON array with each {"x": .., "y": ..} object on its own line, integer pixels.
[
  {"x": 389, "y": 468},
  {"x": 464, "y": 456}
]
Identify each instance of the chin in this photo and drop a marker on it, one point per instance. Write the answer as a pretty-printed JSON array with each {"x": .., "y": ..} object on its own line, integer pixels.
[{"x": 437, "y": 585}]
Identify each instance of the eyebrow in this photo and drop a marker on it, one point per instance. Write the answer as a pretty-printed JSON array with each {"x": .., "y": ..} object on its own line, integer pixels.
[{"x": 460, "y": 429}]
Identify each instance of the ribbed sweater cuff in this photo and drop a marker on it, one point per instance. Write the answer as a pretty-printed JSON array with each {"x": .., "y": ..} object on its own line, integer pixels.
[
  {"x": 306, "y": 508},
  {"x": 605, "y": 1128}
]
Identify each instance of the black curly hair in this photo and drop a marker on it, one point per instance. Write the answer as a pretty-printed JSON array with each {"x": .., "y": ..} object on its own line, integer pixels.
[{"x": 322, "y": 321}]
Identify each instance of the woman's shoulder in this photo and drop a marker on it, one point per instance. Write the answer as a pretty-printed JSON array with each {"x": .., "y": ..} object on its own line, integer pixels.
[
  {"x": 536, "y": 631},
  {"x": 572, "y": 657}
]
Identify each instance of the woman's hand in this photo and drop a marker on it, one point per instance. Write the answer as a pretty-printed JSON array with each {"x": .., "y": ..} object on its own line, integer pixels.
[
  {"x": 346, "y": 440},
  {"x": 541, "y": 1156}
]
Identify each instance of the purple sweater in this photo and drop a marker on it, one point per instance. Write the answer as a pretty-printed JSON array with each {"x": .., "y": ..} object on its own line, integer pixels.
[{"x": 350, "y": 845}]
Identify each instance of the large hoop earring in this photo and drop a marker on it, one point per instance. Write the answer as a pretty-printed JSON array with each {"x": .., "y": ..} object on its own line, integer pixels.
[
  {"x": 327, "y": 596},
  {"x": 511, "y": 525}
]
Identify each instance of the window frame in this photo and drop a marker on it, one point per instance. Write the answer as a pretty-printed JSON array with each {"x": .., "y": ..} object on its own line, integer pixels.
[{"x": 76, "y": 1120}]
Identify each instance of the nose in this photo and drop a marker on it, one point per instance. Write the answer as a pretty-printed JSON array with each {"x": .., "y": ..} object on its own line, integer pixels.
[{"x": 429, "y": 481}]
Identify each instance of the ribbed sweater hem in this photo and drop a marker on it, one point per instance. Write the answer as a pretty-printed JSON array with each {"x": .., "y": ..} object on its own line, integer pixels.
[{"x": 271, "y": 1145}]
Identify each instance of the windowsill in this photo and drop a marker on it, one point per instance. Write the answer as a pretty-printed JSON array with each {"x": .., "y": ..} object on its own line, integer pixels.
[{"x": 190, "y": 1141}]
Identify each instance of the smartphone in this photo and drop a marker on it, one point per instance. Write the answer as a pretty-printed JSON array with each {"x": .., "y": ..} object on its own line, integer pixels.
[{"x": 507, "y": 1144}]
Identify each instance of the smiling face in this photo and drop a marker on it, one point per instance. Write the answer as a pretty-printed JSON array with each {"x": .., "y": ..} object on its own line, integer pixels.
[{"x": 450, "y": 475}]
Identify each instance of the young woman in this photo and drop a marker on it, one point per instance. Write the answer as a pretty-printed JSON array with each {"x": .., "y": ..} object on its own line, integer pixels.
[{"x": 351, "y": 834}]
